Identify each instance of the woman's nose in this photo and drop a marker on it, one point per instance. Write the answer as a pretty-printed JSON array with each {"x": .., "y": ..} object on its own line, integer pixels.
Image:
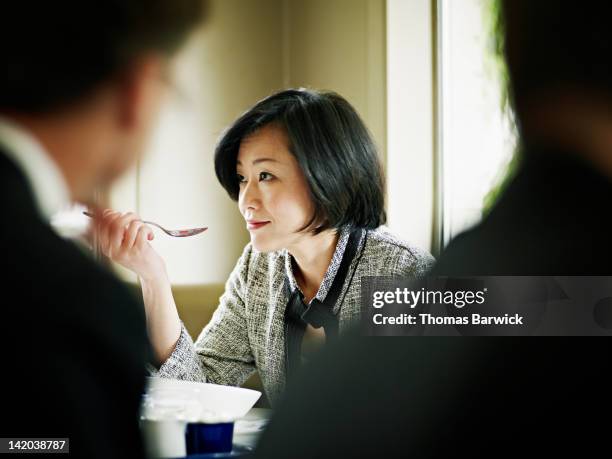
[{"x": 249, "y": 197}]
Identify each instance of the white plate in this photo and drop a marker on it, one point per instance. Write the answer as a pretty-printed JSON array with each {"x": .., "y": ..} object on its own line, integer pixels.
[{"x": 223, "y": 402}]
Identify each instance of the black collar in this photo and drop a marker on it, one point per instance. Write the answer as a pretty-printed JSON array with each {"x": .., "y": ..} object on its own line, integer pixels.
[{"x": 317, "y": 314}]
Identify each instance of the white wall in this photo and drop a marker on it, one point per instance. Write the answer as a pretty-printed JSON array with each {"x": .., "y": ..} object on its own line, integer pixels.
[
  {"x": 340, "y": 45},
  {"x": 410, "y": 115}
]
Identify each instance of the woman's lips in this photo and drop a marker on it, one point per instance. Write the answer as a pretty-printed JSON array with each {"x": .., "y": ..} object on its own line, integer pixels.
[{"x": 254, "y": 225}]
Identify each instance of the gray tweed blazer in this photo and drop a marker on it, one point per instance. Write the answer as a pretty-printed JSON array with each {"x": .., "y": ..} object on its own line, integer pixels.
[{"x": 246, "y": 332}]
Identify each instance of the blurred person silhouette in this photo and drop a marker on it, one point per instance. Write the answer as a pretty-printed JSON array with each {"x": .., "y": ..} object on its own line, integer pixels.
[
  {"x": 438, "y": 397},
  {"x": 81, "y": 85},
  {"x": 552, "y": 218}
]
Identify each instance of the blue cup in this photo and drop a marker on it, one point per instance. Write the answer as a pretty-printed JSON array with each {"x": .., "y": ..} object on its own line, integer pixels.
[{"x": 203, "y": 438}]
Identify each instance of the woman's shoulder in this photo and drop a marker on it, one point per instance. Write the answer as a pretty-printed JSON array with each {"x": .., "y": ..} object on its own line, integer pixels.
[
  {"x": 392, "y": 253},
  {"x": 254, "y": 263}
]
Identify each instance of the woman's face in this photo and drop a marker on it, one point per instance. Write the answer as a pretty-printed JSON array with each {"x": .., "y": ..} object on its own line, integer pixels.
[{"x": 274, "y": 198}]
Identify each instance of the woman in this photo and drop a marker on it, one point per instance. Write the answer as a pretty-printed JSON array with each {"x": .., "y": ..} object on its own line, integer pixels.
[{"x": 308, "y": 182}]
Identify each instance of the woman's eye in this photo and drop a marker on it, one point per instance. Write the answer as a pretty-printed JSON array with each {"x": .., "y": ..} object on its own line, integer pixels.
[
  {"x": 241, "y": 178},
  {"x": 265, "y": 176}
]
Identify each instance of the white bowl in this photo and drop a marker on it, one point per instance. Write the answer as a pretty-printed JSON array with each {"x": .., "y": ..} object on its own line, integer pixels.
[{"x": 222, "y": 403}]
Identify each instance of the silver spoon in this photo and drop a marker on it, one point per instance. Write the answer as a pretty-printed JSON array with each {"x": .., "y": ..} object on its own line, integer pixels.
[{"x": 173, "y": 233}]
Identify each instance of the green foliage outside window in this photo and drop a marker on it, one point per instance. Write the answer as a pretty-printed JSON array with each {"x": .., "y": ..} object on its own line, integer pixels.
[{"x": 495, "y": 57}]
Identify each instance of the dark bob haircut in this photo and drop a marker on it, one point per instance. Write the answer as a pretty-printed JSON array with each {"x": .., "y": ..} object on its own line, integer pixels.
[{"x": 333, "y": 148}]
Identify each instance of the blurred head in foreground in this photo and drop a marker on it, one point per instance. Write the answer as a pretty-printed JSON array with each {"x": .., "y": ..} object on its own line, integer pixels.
[
  {"x": 87, "y": 78},
  {"x": 561, "y": 74}
]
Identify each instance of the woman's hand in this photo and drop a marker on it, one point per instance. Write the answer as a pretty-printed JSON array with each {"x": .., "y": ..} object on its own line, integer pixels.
[{"x": 125, "y": 239}]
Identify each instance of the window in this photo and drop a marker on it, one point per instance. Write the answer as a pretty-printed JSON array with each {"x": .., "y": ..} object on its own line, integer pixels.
[{"x": 475, "y": 136}]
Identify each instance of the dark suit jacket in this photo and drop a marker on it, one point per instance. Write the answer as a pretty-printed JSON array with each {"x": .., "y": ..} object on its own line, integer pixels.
[
  {"x": 554, "y": 219},
  {"x": 447, "y": 397},
  {"x": 73, "y": 338}
]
